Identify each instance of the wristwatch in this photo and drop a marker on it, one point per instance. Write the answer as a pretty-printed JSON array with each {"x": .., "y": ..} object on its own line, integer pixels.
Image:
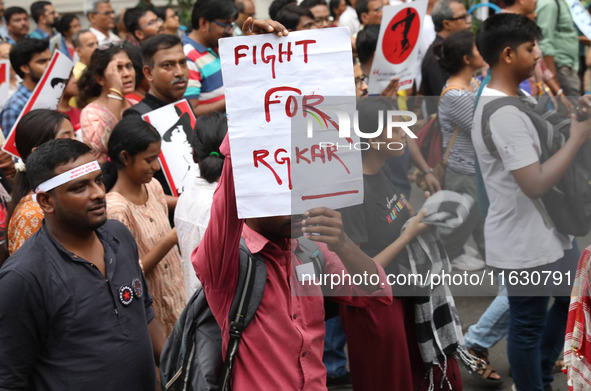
[{"x": 428, "y": 171}]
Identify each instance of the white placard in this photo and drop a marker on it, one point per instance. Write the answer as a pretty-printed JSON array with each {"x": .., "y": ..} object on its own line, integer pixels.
[
  {"x": 175, "y": 122},
  {"x": 46, "y": 94},
  {"x": 397, "y": 47},
  {"x": 580, "y": 16},
  {"x": 4, "y": 81},
  {"x": 269, "y": 81}
]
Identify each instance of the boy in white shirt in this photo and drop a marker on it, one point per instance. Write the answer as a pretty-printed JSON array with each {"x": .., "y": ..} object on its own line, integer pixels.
[{"x": 517, "y": 238}]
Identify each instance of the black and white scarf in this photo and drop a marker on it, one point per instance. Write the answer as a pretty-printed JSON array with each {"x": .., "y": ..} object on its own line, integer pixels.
[{"x": 438, "y": 327}]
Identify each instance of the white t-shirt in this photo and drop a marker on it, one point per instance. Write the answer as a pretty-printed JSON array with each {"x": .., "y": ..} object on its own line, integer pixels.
[
  {"x": 516, "y": 236},
  {"x": 191, "y": 217},
  {"x": 349, "y": 19}
]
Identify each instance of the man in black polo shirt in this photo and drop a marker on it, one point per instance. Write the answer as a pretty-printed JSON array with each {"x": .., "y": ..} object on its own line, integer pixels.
[
  {"x": 75, "y": 311},
  {"x": 165, "y": 68}
]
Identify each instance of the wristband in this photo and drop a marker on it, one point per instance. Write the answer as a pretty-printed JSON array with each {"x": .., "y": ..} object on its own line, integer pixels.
[
  {"x": 115, "y": 97},
  {"x": 559, "y": 92}
]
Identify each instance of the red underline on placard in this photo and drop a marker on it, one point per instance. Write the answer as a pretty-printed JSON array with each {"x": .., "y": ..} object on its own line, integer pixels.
[{"x": 315, "y": 197}]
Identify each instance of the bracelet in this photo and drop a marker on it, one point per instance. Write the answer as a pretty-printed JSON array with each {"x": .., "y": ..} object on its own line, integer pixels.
[
  {"x": 116, "y": 92},
  {"x": 427, "y": 171},
  {"x": 114, "y": 97},
  {"x": 559, "y": 92}
]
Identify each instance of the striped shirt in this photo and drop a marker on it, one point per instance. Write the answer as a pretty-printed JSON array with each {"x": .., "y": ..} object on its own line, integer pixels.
[
  {"x": 455, "y": 109},
  {"x": 205, "y": 72},
  {"x": 148, "y": 224}
]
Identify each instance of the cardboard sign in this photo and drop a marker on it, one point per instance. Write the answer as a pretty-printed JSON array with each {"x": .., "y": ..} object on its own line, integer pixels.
[
  {"x": 397, "y": 47},
  {"x": 270, "y": 81},
  {"x": 46, "y": 94},
  {"x": 4, "y": 81},
  {"x": 175, "y": 123},
  {"x": 580, "y": 16}
]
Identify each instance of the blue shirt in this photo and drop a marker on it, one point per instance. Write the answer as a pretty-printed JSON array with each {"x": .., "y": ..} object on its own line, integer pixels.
[
  {"x": 13, "y": 108},
  {"x": 40, "y": 34}
]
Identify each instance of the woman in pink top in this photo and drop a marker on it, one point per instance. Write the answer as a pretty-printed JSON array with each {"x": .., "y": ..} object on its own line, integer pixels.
[
  {"x": 136, "y": 199},
  {"x": 109, "y": 77}
]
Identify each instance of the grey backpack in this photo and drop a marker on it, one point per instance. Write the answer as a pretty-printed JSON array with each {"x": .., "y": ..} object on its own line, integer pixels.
[
  {"x": 191, "y": 359},
  {"x": 568, "y": 204}
]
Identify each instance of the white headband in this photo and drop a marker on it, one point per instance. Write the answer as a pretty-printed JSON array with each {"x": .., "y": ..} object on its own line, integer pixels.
[{"x": 68, "y": 176}]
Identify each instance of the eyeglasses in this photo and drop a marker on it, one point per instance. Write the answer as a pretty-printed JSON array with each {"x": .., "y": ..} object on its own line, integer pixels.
[
  {"x": 466, "y": 17},
  {"x": 359, "y": 80},
  {"x": 151, "y": 23},
  {"x": 107, "y": 13},
  {"x": 328, "y": 19},
  {"x": 228, "y": 27},
  {"x": 379, "y": 9}
]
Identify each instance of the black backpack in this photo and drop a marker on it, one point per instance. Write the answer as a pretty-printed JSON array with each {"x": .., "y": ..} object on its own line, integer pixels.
[
  {"x": 568, "y": 204},
  {"x": 191, "y": 359}
]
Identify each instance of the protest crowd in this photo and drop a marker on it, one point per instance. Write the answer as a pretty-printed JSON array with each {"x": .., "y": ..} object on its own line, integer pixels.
[{"x": 132, "y": 258}]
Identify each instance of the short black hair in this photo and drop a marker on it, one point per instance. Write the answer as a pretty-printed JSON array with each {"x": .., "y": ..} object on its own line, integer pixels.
[
  {"x": 361, "y": 7},
  {"x": 158, "y": 42},
  {"x": 62, "y": 25},
  {"x": 368, "y": 110},
  {"x": 131, "y": 19},
  {"x": 11, "y": 11},
  {"x": 289, "y": 16},
  {"x": 42, "y": 162},
  {"x": 312, "y": 3},
  {"x": 38, "y": 9},
  {"x": 367, "y": 41},
  {"x": 451, "y": 51},
  {"x": 504, "y": 30},
  {"x": 22, "y": 52},
  {"x": 276, "y": 6},
  {"x": 211, "y": 10}
]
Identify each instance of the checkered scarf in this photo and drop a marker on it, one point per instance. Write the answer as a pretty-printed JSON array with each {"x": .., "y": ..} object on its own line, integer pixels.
[
  {"x": 577, "y": 355},
  {"x": 438, "y": 327}
]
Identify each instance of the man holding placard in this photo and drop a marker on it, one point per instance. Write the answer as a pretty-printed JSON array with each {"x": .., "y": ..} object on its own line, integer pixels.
[{"x": 29, "y": 59}]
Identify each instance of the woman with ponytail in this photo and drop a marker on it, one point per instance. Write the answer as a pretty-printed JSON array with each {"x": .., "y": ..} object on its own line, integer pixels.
[
  {"x": 35, "y": 128},
  {"x": 137, "y": 200},
  {"x": 192, "y": 211}
]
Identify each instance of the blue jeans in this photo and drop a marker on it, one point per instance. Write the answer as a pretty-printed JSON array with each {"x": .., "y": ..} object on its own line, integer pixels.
[
  {"x": 492, "y": 325},
  {"x": 536, "y": 334},
  {"x": 334, "y": 358}
]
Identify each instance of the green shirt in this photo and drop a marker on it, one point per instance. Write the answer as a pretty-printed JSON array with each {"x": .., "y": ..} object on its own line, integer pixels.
[{"x": 560, "y": 38}]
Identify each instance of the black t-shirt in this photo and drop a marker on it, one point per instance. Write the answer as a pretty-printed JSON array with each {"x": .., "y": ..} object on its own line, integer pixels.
[{"x": 377, "y": 222}]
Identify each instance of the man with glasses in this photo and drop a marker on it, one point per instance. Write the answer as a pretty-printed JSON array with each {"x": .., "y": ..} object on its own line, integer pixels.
[
  {"x": 319, "y": 9},
  {"x": 141, "y": 24},
  {"x": 45, "y": 16},
  {"x": 211, "y": 20},
  {"x": 101, "y": 16},
  {"x": 448, "y": 16},
  {"x": 245, "y": 10}
]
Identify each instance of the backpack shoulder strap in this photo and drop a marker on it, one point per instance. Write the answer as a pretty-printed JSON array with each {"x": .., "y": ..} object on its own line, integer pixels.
[
  {"x": 488, "y": 110},
  {"x": 308, "y": 251},
  {"x": 252, "y": 277}
]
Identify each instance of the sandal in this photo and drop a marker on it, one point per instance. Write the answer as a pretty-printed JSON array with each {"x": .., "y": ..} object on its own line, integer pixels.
[{"x": 483, "y": 369}]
